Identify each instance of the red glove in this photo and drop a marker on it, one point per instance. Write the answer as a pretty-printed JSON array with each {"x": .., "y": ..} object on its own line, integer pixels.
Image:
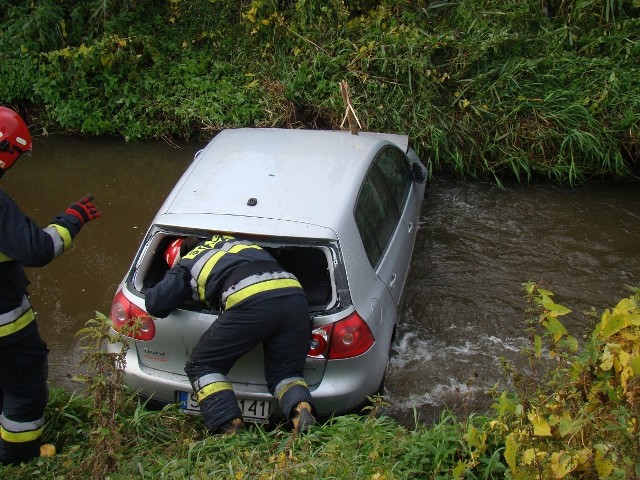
[{"x": 84, "y": 210}]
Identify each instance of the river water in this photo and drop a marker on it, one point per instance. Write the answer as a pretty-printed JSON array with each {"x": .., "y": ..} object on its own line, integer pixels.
[{"x": 464, "y": 307}]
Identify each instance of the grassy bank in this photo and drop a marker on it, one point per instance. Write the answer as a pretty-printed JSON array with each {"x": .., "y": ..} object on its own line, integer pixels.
[
  {"x": 487, "y": 89},
  {"x": 168, "y": 444},
  {"x": 578, "y": 420}
]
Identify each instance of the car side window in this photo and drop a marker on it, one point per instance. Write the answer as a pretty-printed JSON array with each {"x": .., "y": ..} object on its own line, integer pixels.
[
  {"x": 396, "y": 172},
  {"x": 376, "y": 215}
]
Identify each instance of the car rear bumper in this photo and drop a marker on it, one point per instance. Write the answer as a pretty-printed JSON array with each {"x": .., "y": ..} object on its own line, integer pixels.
[{"x": 343, "y": 389}]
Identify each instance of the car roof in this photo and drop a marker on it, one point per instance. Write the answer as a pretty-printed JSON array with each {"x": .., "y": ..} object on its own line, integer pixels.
[{"x": 307, "y": 177}]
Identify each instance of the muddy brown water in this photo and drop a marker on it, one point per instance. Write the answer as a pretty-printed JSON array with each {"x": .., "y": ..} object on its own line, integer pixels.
[{"x": 464, "y": 307}]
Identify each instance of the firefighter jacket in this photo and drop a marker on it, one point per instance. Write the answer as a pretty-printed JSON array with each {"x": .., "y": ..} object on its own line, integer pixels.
[
  {"x": 24, "y": 244},
  {"x": 223, "y": 273}
]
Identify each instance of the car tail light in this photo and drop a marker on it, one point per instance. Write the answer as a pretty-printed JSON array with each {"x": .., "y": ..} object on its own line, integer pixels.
[
  {"x": 345, "y": 338},
  {"x": 124, "y": 313},
  {"x": 320, "y": 341}
]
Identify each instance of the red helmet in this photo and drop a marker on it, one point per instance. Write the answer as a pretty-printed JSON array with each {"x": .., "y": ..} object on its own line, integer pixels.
[
  {"x": 172, "y": 254},
  {"x": 14, "y": 137}
]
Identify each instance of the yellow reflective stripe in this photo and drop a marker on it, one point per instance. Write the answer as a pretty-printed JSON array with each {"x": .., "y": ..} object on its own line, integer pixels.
[
  {"x": 258, "y": 288},
  {"x": 4, "y": 258},
  {"x": 25, "y": 319},
  {"x": 212, "y": 245},
  {"x": 207, "y": 379},
  {"x": 210, "y": 265},
  {"x": 64, "y": 234},
  {"x": 20, "y": 437},
  {"x": 212, "y": 388},
  {"x": 12, "y": 315},
  {"x": 284, "y": 389},
  {"x": 204, "y": 274}
]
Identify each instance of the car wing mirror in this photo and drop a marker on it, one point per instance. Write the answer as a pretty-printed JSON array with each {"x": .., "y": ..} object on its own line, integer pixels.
[{"x": 419, "y": 173}]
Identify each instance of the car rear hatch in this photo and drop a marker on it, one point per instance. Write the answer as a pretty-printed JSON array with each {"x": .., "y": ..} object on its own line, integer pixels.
[{"x": 314, "y": 264}]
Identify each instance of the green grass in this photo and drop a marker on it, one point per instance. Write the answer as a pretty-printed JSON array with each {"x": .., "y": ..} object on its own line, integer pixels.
[
  {"x": 169, "y": 444},
  {"x": 486, "y": 89}
]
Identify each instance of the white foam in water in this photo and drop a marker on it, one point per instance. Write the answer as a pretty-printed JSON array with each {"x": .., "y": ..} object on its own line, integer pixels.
[
  {"x": 461, "y": 350},
  {"x": 430, "y": 372},
  {"x": 511, "y": 344},
  {"x": 437, "y": 395},
  {"x": 410, "y": 350}
]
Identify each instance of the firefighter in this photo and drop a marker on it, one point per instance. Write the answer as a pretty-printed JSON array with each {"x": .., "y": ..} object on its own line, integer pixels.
[
  {"x": 259, "y": 302},
  {"x": 23, "y": 353}
]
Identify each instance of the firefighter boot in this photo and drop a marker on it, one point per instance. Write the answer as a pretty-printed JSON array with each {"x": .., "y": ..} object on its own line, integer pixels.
[
  {"x": 302, "y": 418},
  {"x": 230, "y": 427}
]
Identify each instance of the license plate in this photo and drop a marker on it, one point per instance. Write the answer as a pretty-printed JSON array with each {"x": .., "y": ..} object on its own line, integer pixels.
[{"x": 253, "y": 411}]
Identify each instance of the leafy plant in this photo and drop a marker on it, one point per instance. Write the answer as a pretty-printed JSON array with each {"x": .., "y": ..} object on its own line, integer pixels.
[
  {"x": 584, "y": 420},
  {"x": 105, "y": 380}
]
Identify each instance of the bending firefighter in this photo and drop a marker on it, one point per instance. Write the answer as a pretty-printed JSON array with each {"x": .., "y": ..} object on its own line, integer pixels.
[
  {"x": 23, "y": 353},
  {"x": 259, "y": 303}
]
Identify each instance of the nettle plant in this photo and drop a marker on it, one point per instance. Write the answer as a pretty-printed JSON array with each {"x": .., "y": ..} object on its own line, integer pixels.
[{"x": 583, "y": 421}]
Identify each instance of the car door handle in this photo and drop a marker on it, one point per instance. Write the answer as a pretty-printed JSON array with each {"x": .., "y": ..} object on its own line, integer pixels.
[
  {"x": 392, "y": 282},
  {"x": 410, "y": 227}
]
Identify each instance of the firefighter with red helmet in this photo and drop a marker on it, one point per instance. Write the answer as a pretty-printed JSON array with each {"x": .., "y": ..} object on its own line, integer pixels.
[
  {"x": 23, "y": 353},
  {"x": 259, "y": 302}
]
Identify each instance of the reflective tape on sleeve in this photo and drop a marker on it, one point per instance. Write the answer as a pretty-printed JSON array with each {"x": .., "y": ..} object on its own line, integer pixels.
[{"x": 61, "y": 238}]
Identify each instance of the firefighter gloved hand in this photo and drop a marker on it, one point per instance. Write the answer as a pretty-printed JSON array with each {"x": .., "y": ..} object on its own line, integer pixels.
[{"x": 84, "y": 210}]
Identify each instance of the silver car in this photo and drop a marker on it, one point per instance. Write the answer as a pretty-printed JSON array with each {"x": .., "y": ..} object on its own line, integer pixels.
[{"x": 340, "y": 211}]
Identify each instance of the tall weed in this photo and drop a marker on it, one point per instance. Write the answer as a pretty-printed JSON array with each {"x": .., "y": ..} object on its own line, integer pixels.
[{"x": 491, "y": 89}]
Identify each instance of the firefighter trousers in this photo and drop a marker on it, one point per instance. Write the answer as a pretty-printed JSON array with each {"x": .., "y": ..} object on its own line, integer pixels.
[
  {"x": 23, "y": 397},
  {"x": 282, "y": 325}
]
